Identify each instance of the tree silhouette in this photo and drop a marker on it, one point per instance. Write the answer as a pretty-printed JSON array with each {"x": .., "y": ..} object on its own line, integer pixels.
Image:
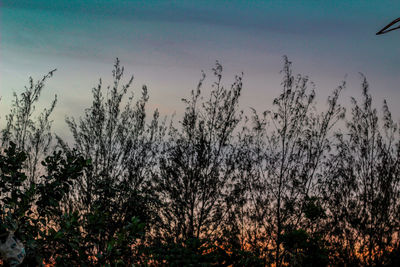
[
  {"x": 123, "y": 151},
  {"x": 30, "y": 134},
  {"x": 287, "y": 147},
  {"x": 195, "y": 169},
  {"x": 286, "y": 187},
  {"x": 363, "y": 184}
]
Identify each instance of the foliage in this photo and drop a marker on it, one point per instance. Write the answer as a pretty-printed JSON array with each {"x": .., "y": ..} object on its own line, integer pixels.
[
  {"x": 201, "y": 252},
  {"x": 363, "y": 189},
  {"x": 123, "y": 148},
  {"x": 285, "y": 151},
  {"x": 196, "y": 170},
  {"x": 30, "y": 134},
  {"x": 286, "y": 187},
  {"x": 32, "y": 211}
]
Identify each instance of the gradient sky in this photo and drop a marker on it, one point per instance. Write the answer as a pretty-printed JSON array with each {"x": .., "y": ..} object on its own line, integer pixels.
[{"x": 166, "y": 44}]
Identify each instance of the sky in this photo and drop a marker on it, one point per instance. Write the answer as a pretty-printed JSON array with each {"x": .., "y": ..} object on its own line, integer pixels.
[{"x": 166, "y": 44}]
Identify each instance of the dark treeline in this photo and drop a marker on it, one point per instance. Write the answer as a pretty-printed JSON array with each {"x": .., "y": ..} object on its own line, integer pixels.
[{"x": 290, "y": 186}]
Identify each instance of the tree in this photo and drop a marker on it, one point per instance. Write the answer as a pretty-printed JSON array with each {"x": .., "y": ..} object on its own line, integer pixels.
[
  {"x": 33, "y": 212},
  {"x": 123, "y": 151},
  {"x": 32, "y": 135},
  {"x": 197, "y": 168},
  {"x": 286, "y": 187},
  {"x": 286, "y": 149},
  {"x": 363, "y": 188}
]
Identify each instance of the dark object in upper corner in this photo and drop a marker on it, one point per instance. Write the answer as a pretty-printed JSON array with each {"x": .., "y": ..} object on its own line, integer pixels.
[{"x": 385, "y": 29}]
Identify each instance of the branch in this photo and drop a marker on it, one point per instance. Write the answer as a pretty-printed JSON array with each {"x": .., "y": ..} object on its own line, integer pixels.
[{"x": 385, "y": 29}]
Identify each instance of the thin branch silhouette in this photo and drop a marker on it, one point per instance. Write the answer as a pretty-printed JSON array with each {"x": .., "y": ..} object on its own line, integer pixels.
[{"x": 386, "y": 28}]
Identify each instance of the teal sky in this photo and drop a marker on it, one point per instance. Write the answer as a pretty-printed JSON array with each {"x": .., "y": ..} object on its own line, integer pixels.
[{"x": 166, "y": 44}]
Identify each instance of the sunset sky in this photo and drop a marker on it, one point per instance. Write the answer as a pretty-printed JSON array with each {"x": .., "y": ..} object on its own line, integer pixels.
[{"x": 166, "y": 44}]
